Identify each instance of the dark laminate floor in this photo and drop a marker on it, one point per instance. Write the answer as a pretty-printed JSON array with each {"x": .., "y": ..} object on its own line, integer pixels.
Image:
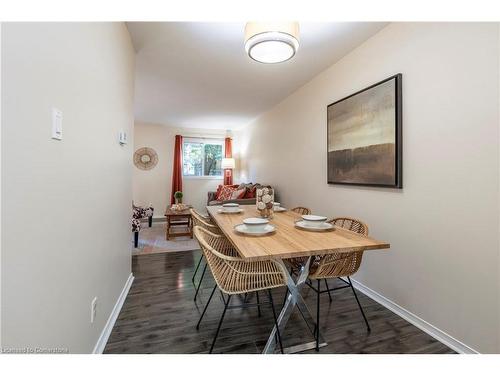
[{"x": 159, "y": 316}]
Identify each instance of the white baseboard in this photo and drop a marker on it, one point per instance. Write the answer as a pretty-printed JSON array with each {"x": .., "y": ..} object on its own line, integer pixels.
[
  {"x": 108, "y": 327},
  {"x": 418, "y": 322}
]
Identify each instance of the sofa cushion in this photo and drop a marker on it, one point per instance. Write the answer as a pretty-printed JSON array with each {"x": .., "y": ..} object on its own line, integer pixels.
[
  {"x": 217, "y": 193},
  {"x": 226, "y": 193},
  {"x": 219, "y": 190},
  {"x": 251, "y": 191},
  {"x": 238, "y": 193},
  {"x": 239, "y": 201}
]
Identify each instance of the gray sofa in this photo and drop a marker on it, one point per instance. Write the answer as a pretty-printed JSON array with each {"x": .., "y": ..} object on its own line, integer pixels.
[{"x": 211, "y": 201}]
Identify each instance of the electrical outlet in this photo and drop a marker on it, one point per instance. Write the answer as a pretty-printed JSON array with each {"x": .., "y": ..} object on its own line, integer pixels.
[
  {"x": 93, "y": 309},
  {"x": 57, "y": 117}
]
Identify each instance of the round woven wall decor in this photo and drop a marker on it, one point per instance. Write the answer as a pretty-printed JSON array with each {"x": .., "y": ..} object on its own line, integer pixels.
[{"x": 145, "y": 158}]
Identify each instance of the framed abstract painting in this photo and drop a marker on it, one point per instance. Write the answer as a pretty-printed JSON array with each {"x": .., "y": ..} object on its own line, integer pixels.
[{"x": 365, "y": 136}]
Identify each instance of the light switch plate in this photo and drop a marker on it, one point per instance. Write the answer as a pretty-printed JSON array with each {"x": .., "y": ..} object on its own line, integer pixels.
[
  {"x": 122, "y": 137},
  {"x": 57, "y": 117}
]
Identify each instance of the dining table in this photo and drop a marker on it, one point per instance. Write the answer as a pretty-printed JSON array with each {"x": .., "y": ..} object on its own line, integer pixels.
[{"x": 289, "y": 241}]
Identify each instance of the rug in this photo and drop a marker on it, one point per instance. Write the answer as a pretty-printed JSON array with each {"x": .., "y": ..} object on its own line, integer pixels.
[{"x": 152, "y": 240}]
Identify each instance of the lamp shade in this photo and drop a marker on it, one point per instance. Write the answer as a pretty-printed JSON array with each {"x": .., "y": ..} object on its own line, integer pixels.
[{"x": 227, "y": 163}]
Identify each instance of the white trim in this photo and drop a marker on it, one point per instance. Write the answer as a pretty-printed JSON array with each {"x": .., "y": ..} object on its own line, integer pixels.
[
  {"x": 201, "y": 138},
  {"x": 213, "y": 177},
  {"x": 418, "y": 322},
  {"x": 108, "y": 327}
]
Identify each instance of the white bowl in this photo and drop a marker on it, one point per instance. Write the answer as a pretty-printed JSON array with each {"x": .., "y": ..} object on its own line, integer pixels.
[
  {"x": 230, "y": 207},
  {"x": 255, "y": 224},
  {"x": 276, "y": 205},
  {"x": 314, "y": 220}
]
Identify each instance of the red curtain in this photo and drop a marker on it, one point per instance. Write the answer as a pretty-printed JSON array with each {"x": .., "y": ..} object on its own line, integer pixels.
[
  {"x": 177, "y": 170},
  {"x": 228, "y": 173}
]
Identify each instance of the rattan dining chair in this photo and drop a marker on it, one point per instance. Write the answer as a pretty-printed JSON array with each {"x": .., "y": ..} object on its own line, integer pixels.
[
  {"x": 204, "y": 222},
  {"x": 302, "y": 210},
  {"x": 233, "y": 275},
  {"x": 337, "y": 265}
]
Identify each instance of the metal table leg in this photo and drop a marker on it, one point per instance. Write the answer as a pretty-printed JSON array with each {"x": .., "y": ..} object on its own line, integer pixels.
[{"x": 294, "y": 299}]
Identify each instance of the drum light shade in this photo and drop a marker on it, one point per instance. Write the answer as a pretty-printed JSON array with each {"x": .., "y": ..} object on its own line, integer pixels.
[
  {"x": 271, "y": 43},
  {"x": 227, "y": 163}
]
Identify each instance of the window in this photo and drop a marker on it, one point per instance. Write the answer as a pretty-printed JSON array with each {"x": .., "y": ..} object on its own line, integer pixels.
[{"x": 202, "y": 157}]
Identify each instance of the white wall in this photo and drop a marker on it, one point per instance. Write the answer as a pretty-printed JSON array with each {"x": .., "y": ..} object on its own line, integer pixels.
[
  {"x": 444, "y": 225},
  {"x": 0, "y": 186},
  {"x": 155, "y": 186},
  {"x": 65, "y": 204}
]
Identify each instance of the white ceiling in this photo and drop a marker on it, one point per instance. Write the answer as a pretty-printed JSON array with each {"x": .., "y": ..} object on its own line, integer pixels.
[{"x": 192, "y": 74}]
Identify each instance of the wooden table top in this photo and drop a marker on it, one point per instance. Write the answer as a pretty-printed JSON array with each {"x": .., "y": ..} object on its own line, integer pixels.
[
  {"x": 289, "y": 241},
  {"x": 170, "y": 212}
]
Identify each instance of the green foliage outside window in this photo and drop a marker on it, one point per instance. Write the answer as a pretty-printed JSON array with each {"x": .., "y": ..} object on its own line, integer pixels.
[
  {"x": 201, "y": 158},
  {"x": 213, "y": 159}
]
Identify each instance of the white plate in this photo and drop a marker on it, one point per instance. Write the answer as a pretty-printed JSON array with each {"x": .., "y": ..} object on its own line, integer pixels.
[
  {"x": 280, "y": 209},
  {"x": 324, "y": 227},
  {"x": 222, "y": 211},
  {"x": 242, "y": 228}
]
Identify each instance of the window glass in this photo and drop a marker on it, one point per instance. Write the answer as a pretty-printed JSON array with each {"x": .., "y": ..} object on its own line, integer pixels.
[
  {"x": 202, "y": 157},
  {"x": 192, "y": 159}
]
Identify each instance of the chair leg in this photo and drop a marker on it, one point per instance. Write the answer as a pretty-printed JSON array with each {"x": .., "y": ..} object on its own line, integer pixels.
[
  {"x": 258, "y": 302},
  {"x": 150, "y": 221},
  {"x": 328, "y": 289},
  {"x": 317, "y": 316},
  {"x": 220, "y": 323},
  {"x": 201, "y": 279},
  {"x": 284, "y": 299},
  {"x": 206, "y": 306},
  {"x": 359, "y": 304},
  {"x": 136, "y": 239},
  {"x": 275, "y": 319},
  {"x": 197, "y": 266}
]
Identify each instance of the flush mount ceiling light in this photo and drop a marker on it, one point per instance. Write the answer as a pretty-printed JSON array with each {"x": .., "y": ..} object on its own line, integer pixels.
[{"x": 271, "y": 43}]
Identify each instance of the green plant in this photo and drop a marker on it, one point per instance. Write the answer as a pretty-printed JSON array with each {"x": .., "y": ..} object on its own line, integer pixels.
[{"x": 178, "y": 195}]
